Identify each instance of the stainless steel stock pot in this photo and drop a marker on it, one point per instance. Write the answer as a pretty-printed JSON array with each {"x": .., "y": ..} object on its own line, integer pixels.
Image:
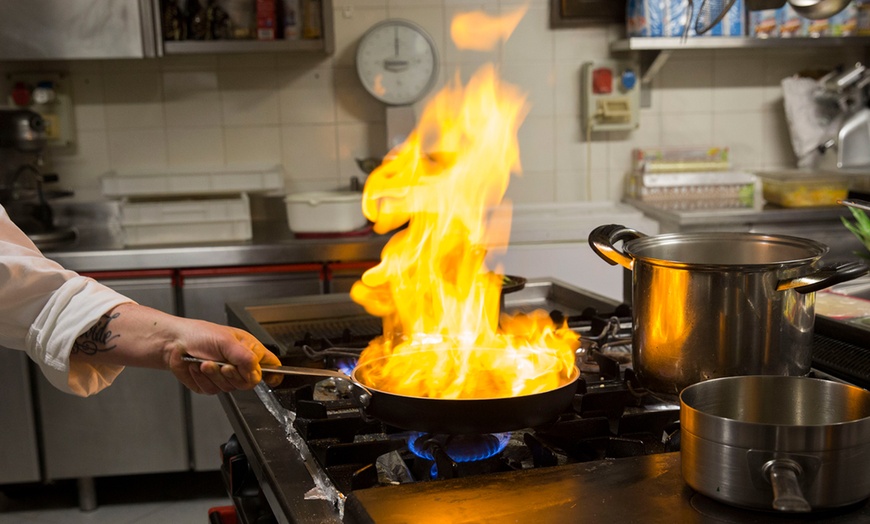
[{"x": 708, "y": 305}]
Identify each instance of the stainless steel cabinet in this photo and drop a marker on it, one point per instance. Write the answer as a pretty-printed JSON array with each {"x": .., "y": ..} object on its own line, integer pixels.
[
  {"x": 341, "y": 276},
  {"x": 204, "y": 293},
  {"x": 137, "y": 425},
  {"x": 19, "y": 450},
  {"x": 76, "y": 29},
  {"x": 146, "y": 421}
]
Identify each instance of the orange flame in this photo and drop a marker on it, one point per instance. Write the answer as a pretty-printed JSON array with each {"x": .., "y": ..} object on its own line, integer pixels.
[
  {"x": 477, "y": 31},
  {"x": 443, "y": 337}
]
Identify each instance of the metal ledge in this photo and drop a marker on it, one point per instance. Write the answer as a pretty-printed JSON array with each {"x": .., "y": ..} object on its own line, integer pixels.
[{"x": 738, "y": 42}]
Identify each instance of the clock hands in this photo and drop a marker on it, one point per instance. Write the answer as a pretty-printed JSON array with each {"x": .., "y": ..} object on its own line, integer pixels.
[{"x": 396, "y": 64}]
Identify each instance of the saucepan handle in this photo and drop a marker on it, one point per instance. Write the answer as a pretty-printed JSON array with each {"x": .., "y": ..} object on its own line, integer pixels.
[
  {"x": 825, "y": 277},
  {"x": 787, "y": 495},
  {"x": 602, "y": 239}
]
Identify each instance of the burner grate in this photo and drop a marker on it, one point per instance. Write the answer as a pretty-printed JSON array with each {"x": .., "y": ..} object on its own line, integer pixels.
[
  {"x": 321, "y": 333},
  {"x": 842, "y": 359}
]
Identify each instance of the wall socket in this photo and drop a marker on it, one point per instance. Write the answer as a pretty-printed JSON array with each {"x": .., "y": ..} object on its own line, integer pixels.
[{"x": 610, "y": 91}]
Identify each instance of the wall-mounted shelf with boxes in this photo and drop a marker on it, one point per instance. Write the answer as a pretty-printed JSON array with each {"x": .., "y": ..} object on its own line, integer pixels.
[{"x": 653, "y": 52}]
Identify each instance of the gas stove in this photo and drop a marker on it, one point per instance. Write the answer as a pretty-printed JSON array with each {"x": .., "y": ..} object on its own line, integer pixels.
[{"x": 305, "y": 452}]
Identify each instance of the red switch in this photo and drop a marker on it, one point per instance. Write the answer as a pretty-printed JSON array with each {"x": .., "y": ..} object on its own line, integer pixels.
[
  {"x": 20, "y": 94},
  {"x": 602, "y": 81}
]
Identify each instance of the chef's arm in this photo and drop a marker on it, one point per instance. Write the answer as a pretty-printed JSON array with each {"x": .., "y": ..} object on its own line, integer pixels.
[{"x": 134, "y": 335}]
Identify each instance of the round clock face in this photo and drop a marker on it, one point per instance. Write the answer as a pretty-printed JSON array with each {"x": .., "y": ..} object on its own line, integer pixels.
[{"x": 397, "y": 62}]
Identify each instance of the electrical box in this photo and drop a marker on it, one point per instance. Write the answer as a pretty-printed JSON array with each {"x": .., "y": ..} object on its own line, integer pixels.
[
  {"x": 48, "y": 94},
  {"x": 611, "y": 95}
]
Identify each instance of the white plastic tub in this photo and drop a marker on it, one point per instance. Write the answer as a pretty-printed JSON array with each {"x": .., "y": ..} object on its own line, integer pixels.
[{"x": 325, "y": 212}]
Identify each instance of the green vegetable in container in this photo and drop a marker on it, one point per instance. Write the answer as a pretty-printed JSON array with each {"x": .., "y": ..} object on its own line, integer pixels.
[{"x": 860, "y": 228}]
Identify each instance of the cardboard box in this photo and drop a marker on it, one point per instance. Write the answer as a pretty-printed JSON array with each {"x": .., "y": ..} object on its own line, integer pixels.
[
  {"x": 791, "y": 24},
  {"x": 818, "y": 28},
  {"x": 668, "y": 18},
  {"x": 732, "y": 24},
  {"x": 267, "y": 20},
  {"x": 764, "y": 23},
  {"x": 862, "y": 17},
  {"x": 292, "y": 20},
  {"x": 845, "y": 23}
]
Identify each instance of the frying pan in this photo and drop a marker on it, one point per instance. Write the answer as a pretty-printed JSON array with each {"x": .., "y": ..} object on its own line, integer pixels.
[{"x": 451, "y": 416}]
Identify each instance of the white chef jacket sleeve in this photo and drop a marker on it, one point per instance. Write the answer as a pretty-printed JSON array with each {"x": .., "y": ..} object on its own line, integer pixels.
[{"x": 44, "y": 308}]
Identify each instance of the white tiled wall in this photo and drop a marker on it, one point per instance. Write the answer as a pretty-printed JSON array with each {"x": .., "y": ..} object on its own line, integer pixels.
[{"x": 311, "y": 115}]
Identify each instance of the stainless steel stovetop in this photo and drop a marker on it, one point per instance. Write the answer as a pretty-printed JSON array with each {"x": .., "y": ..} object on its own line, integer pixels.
[{"x": 290, "y": 481}]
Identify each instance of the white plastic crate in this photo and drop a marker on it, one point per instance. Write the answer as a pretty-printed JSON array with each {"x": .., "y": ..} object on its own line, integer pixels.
[
  {"x": 140, "y": 185},
  {"x": 185, "y": 210},
  {"x": 186, "y": 221},
  {"x": 192, "y": 233}
]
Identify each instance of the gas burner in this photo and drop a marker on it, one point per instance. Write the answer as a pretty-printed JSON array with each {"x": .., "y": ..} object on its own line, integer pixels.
[
  {"x": 461, "y": 448},
  {"x": 452, "y": 456}
]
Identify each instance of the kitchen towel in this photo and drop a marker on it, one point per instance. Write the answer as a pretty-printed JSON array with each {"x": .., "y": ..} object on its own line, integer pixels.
[{"x": 810, "y": 123}]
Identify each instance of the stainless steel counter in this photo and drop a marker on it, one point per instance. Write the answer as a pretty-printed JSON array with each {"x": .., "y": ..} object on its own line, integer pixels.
[
  {"x": 764, "y": 215},
  {"x": 822, "y": 224},
  {"x": 100, "y": 249}
]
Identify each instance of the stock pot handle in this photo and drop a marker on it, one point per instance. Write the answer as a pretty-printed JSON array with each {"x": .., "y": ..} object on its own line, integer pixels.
[
  {"x": 787, "y": 494},
  {"x": 602, "y": 238},
  {"x": 825, "y": 277}
]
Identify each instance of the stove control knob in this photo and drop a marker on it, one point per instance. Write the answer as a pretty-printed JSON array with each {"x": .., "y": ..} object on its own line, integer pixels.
[{"x": 237, "y": 469}]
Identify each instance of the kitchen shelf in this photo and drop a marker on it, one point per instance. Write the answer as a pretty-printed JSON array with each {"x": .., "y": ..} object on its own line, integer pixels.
[
  {"x": 325, "y": 44},
  {"x": 736, "y": 42},
  {"x": 655, "y": 51},
  {"x": 188, "y": 47}
]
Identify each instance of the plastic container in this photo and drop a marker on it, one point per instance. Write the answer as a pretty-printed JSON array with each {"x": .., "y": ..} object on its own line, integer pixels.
[
  {"x": 799, "y": 189},
  {"x": 193, "y": 233},
  {"x": 186, "y": 221},
  {"x": 325, "y": 212},
  {"x": 139, "y": 185},
  {"x": 185, "y": 210}
]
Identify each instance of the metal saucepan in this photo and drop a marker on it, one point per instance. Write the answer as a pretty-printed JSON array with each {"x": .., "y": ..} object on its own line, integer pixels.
[
  {"x": 794, "y": 444},
  {"x": 451, "y": 416},
  {"x": 814, "y": 9},
  {"x": 708, "y": 305},
  {"x": 818, "y": 9}
]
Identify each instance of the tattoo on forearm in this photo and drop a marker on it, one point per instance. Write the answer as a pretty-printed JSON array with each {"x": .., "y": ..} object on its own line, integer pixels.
[{"x": 98, "y": 338}]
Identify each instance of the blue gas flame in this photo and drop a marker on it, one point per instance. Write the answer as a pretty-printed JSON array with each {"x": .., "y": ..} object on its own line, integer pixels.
[
  {"x": 460, "y": 448},
  {"x": 346, "y": 365}
]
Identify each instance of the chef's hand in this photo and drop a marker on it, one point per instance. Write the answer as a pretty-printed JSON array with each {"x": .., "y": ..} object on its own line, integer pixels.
[
  {"x": 234, "y": 346},
  {"x": 135, "y": 335}
]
